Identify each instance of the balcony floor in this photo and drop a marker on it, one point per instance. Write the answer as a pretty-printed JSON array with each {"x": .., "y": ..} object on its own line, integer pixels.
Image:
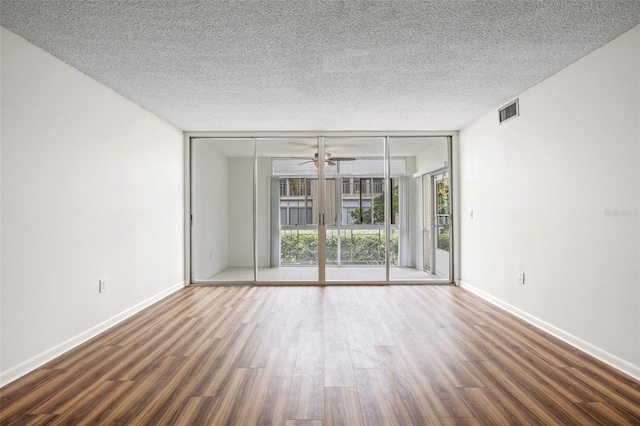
[{"x": 333, "y": 273}]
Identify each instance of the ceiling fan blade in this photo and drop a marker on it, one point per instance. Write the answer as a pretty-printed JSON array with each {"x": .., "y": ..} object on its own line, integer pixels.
[
  {"x": 306, "y": 162},
  {"x": 342, "y": 159}
]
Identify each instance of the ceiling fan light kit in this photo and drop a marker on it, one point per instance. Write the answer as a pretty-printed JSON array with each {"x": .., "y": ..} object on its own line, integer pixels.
[{"x": 327, "y": 159}]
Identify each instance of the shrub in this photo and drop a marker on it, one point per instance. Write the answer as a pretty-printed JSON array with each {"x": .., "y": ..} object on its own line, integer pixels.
[
  {"x": 443, "y": 242},
  {"x": 357, "y": 248}
]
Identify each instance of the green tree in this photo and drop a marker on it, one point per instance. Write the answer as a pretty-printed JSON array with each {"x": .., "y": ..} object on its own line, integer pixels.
[
  {"x": 293, "y": 186},
  {"x": 378, "y": 210},
  {"x": 443, "y": 197},
  {"x": 443, "y": 209}
]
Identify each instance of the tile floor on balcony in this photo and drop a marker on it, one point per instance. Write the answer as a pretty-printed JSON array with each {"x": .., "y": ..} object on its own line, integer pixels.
[{"x": 333, "y": 273}]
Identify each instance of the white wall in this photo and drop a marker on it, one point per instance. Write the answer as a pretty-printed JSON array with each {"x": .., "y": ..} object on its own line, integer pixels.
[
  {"x": 240, "y": 208},
  {"x": 223, "y": 211},
  {"x": 92, "y": 188},
  {"x": 210, "y": 215},
  {"x": 433, "y": 158},
  {"x": 241, "y": 211},
  {"x": 555, "y": 194}
]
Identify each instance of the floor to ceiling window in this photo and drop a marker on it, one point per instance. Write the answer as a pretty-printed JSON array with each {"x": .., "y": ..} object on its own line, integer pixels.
[{"x": 323, "y": 210}]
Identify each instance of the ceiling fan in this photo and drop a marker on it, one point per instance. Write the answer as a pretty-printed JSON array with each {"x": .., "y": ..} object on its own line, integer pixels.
[{"x": 328, "y": 159}]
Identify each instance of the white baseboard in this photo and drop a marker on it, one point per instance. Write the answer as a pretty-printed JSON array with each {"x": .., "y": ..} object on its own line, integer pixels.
[
  {"x": 39, "y": 360},
  {"x": 618, "y": 363}
]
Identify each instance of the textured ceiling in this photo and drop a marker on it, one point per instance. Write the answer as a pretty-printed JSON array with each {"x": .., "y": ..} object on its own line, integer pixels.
[{"x": 319, "y": 65}]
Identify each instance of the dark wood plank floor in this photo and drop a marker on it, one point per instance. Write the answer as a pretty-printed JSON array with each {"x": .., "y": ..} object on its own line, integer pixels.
[{"x": 406, "y": 355}]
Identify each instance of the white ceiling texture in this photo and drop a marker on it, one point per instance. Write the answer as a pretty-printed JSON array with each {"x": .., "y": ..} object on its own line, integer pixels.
[{"x": 384, "y": 65}]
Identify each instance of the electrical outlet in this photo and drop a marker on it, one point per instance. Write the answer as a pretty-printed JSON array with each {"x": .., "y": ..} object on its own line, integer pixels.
[
  {"x": 102, "y": 287},
  {"x": 521, "y": 278}
]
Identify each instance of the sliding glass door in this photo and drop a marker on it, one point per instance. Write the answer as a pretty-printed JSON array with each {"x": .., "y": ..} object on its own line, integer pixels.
[
  {"x": 288, "y": 210},
  {"x": 355, "y": 210},
  {"x": 320, "y": 210},
  {"x": 441, "y": 224}
]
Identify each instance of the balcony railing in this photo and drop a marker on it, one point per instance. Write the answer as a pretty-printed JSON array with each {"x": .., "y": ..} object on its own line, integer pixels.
[
  {"x": 355, "y": 188},
  {"x": 296, "y": 187},
  {"x": 361, "y": 246}
]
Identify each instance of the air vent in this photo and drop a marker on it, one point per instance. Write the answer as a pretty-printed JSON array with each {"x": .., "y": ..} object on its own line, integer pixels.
[{"x": 509, "y": 111}]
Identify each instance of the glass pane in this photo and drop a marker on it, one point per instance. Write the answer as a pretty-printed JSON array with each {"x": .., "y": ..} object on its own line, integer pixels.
[
  {"x": 443, "y": 224},
  {"x": 222, "y": 205},
  {"x": 415, "y": 256},
  {"x": 362, "y": 247},
  {"x": 426, "y": 223},
  {"x": 287, "y": 181},
  {"x": 298, "y": 247},
  {"x": 355, "y": 234}
]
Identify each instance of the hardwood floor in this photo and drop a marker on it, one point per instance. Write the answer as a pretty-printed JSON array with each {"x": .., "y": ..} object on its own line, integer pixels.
[{"x": 405, "y": 355}]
